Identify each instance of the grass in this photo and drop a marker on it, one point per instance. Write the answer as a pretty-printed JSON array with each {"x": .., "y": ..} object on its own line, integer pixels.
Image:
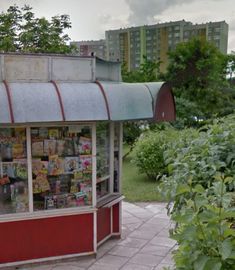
[{"x": 137, "y": 187}]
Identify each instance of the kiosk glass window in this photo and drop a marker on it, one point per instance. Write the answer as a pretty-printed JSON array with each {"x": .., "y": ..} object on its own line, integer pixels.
[
  {"x": 116, "y": 158},
  {"x": 61, "y": 167},
  {"x": 102, "y": 159},
  {"x": 13, "y": 171}
]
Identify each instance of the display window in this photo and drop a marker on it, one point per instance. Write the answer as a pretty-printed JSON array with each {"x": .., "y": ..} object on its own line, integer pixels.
[
  {"x": 61, "y": 167},
  {"x": 102, "y": 159},
  {"x": 13, "y": 171}
]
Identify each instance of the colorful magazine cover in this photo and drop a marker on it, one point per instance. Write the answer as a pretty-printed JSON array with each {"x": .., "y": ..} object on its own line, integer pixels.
[
  {"x": 60, "y": 146},
  {"x": 39, "y": 166},
  {"x": 68, "y": 147},
  {"x": 85, "y": 163},
  {"x": 6, "y": 151},
  {"x": 87, "y": 176},
  {"x": 40, "y": 184},
  {"x": 55, "y": 165},
  {"x": 50, "y": 202},
  {"x": 8, "y": 169},
  {"x": 37, "y": 149},
  {"x": 61, "y": 201},
  {"x": 78, "y": 175},
  {"x": 71, "y": 164},
  {"x": 21, "y": 168},
  {"x": 75, "y": 186},
  {"x": 53, "y": 133},
  {"x": 84, "y": 146},
  {"x": 49, "y": 147},
  {"x": 18, "y": 150}
]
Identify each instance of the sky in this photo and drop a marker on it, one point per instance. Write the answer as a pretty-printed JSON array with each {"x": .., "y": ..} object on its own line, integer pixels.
[{"x": 90, "y": 18}]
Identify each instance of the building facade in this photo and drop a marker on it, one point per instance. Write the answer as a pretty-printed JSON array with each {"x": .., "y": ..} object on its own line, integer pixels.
[
  {"x": 129, "y": 45},
  {"x": 87, "y": 48}
]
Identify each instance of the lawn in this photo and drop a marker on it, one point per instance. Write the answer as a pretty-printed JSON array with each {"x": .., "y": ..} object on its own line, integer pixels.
[{"x": 137, "y": 187}]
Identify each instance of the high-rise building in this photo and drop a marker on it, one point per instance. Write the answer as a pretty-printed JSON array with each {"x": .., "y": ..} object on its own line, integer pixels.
[
  {"x": 129, "y": 45},
  {"x": 86, "y": 48}
]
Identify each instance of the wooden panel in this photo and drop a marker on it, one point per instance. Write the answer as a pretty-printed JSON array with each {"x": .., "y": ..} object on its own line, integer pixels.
[
  {"x": 103, "y": 223},
  {"x": 41, "y": 238}
]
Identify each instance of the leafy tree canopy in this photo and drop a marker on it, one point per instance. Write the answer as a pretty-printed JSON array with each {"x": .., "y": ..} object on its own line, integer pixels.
[
  {"x": 148, "y": 72},
  {"x": 21, "y": 31},
  {"x": 197, "y": 71}
]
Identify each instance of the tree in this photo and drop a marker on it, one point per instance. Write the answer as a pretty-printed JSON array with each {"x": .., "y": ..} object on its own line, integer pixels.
[
  {"x": 231, "y": 67},
  {"x": 148, "y": 72},
  {"x": 21, "y": 31},
  {"x": 197, "y": 71}
]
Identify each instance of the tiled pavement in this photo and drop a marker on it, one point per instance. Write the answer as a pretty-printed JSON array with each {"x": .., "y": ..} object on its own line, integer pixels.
[{"x": 144, "y": 244}]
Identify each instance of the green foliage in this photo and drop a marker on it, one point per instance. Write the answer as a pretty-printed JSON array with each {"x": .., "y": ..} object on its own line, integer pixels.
[
  {"x": 149, "y": 151},
  {"x": 137, "y": 187},
  {"x": 201, "y": 184},
  {"x": 197, "y": 72},
  {"x": 131, "y": 132},
  {"x": 187, "y": 114},
  {"x": 147, "y": 72},
  {"x": 21, "y": 31}
]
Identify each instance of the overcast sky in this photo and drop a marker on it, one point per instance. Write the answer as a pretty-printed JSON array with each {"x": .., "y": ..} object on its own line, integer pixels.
[{"x": 90, "y": 18}]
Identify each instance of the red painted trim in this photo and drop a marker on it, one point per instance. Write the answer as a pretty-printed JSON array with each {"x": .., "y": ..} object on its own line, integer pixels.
[
  {"x": 9, "y": 101},
  {"x": 105, "y": 98},
  {"x": 60, "y": 99}
]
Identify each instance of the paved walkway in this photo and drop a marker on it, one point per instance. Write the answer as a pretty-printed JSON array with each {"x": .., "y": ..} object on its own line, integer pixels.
[{"x": 144, "y": 244}]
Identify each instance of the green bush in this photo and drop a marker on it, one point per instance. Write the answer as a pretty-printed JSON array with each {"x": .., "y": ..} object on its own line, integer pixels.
[
  {"x": 150, "y": 149},
  {"x": 200, "y": 183}
]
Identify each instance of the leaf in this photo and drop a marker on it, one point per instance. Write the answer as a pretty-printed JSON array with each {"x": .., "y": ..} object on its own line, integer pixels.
[
  {"x": 226, "y": 249},
  {"x": 198, "y": 188},
  {"x": 182, "y": 188},
  {"x": 200, "y": 263},
  {"x": 213, "y": 264}
]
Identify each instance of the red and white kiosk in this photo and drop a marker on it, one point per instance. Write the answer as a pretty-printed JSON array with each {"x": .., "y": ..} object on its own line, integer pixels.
[{"x": 61, "y": 152}]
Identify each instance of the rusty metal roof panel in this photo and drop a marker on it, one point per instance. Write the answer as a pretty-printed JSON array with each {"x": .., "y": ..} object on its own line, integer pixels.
[
  {"x": 83, "y": 102},
  {"x": 128, "y": 101},
  {"x": 4, "y": 106},
  {"x": 34, "y": 102}
]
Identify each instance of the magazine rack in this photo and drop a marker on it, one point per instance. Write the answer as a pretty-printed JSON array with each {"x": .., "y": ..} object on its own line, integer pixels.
[{"x": 61, "y": 152}]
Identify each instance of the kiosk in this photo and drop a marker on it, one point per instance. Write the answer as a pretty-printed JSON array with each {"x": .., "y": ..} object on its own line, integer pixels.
[{"x": 61, "y": 152}]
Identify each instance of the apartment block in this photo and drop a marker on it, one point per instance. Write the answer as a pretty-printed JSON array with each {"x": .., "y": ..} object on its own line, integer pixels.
[
  {"x": 129, "y": 45},
  {"x": 86, "y": 48}
]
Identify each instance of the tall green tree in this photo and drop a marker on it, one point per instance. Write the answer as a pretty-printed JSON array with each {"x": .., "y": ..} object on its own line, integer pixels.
[
  {"x": 21, "y": 31},
  {"x": 148, "y": 72},
  {"x": 197, "y": 71}
]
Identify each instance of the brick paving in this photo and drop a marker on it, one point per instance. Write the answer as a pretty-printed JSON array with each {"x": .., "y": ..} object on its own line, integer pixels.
[{"x": 144, "y": 245}]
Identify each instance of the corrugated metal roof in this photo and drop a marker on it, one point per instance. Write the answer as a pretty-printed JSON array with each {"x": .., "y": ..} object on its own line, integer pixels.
[
  {"x": 4, "y": 107},
  {"x": 128, "y": 101},
  {"x": 44, "y": 102},
  {"x": 154, "y": 88},
  {"x": 83, "y": 102},
  {"x": 34, "y": 102}
]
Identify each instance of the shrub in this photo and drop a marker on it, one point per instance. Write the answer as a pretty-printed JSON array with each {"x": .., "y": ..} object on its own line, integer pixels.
[
  {"x": 200, "y": 182},
  {"x": 150, "y": 149}
]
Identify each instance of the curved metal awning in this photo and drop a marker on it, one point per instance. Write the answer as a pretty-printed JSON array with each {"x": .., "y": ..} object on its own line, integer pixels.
[{"x": 36, "y": 102}]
